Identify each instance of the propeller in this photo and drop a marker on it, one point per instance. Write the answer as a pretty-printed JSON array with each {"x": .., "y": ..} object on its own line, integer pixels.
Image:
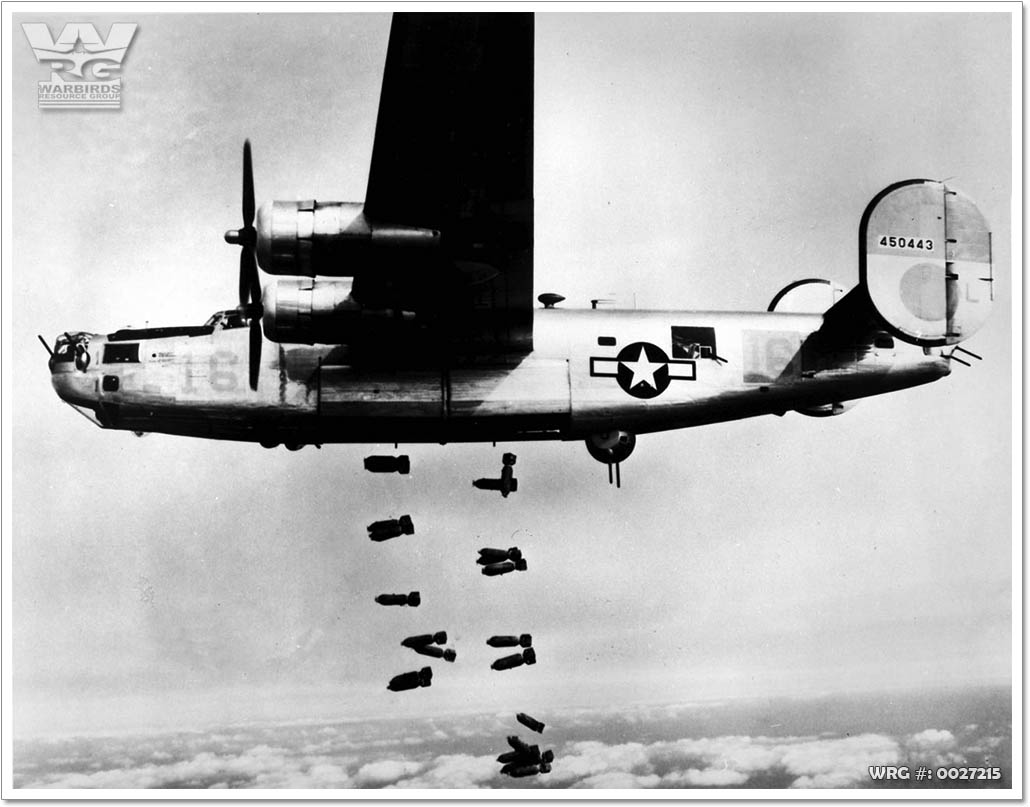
[{"x": 250, "y": 282}]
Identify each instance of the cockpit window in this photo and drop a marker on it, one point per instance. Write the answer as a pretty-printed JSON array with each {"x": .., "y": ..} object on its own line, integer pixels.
[
  {"x": 121, "y": 353},
  {"x": 224, "y": 320}
]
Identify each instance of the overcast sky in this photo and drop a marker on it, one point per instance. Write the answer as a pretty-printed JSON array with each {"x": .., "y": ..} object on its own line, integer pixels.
[{"x": 696, "y": 161}]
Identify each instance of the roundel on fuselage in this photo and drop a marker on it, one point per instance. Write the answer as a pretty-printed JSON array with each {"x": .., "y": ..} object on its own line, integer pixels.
[{"x": 643, "y": 370}]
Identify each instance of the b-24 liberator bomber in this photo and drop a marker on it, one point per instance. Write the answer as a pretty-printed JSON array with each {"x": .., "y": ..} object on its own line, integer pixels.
[{"x": 409, "y": 317}]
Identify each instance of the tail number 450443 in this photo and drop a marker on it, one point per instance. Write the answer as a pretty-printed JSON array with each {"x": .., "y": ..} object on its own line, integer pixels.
[{"x": 904, "y": 242}]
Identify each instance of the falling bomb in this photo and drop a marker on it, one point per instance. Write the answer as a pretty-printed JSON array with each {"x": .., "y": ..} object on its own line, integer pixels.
[
  {"x": 495, "y": 569},
  {"x": 529, "y": 722},
  {"x": 414, "y": 599},
  {"x": 488, "y": 555},
  {"x": 380, "y": 464},
  {"x": 411, "y": 680},
  {"x": 523, "y": 640},
  {"x": 519, "y": 771},
  {"x": 425, "y": 638},
  {"x": 528, "y": 656},
  {"x": 531, "y": 755},
  {"x": 436, "y": 652},
  {"x": 390, "y": 528},
  {"x": 507, "y": 482},
  {"x": 518, "y": 746}
]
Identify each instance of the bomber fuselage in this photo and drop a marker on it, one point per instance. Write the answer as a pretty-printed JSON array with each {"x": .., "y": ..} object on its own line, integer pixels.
[{"x": 590, "y": 371}]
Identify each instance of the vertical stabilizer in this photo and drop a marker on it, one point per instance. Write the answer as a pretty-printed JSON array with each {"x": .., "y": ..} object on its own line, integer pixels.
[{"x": 925, "y": 261}]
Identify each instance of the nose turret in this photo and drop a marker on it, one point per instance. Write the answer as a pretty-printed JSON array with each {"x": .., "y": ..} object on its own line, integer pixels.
[{"x": 70, "y": 365}]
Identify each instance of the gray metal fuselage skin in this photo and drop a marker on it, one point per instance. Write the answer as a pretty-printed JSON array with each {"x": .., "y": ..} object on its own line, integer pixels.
[{"x": 589, "y": 372}]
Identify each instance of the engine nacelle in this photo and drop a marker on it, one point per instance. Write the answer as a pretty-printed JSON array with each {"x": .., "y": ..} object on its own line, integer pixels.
[
  {"x": 329, "y": 238},
  {"x": 307, "y": 311},
  {"x": 611, "y": 447}
]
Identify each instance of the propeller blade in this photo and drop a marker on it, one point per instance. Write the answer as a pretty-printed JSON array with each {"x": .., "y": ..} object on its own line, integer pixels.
[
  {"x": 248, "y": 186},
  {"x": 250, "y": 280},
  {"x": 244, "y": 276},
  {"x": 255, "y": 351},
  {"x": 253, "y": 279}
]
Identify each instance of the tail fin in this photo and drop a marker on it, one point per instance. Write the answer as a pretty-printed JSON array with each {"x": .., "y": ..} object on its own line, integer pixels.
[{"x": 925, "y": 262}]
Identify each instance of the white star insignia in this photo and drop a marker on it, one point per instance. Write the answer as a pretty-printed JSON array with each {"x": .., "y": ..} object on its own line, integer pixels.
[{"x": 643, "y": 370}]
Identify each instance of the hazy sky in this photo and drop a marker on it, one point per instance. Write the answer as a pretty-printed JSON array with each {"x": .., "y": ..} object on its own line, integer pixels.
[{"x": 698, "y": 161}]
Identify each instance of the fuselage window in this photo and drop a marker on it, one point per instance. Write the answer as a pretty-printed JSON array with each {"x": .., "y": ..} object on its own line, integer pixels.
[
  {"x": 692, "y": 342},
  {"x": 121, "y": 353},
  {"x": 606, "y": 341}
]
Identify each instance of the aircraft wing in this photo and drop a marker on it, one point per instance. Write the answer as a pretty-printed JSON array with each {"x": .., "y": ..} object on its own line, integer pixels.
[{"x": 454, "y": 152}]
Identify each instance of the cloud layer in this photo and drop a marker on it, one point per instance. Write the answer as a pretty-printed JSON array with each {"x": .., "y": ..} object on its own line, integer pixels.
[
  {"x": 726, "y": 761},
  {"x": 632, "y": 749}
]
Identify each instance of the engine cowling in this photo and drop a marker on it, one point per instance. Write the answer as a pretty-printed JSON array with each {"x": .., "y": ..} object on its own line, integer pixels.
[
  {"x": 308, "y": 311},
  {"x": 611, "y": 447},
  {"x": 330, "y": 238}
]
